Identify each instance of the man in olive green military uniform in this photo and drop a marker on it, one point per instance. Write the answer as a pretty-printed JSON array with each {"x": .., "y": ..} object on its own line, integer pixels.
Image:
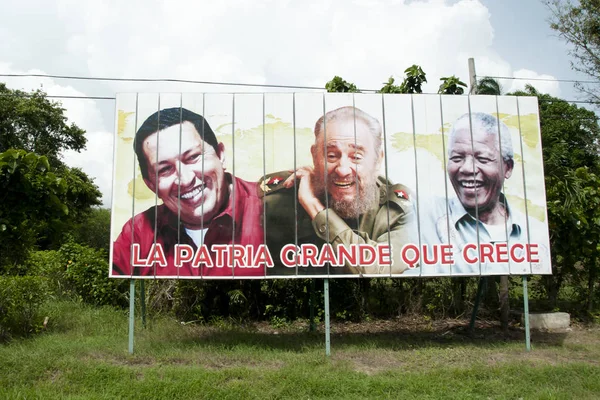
[{"x": 342, "y": 200}]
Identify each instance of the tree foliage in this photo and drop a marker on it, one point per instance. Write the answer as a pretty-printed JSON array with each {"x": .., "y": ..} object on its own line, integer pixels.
[
  {"x": 488, "y": 86},
  {"x": 571, "y": 149},
  {"x": 338, "y": 84},
  {"x": 451, "y": 85},
  {"x": 31, "y": 122},
  {"x": 41, "y": 199},
  {"x": 414, "y": 80},
  {"x": 81, "y": 197},
  {"x": 579, "y": 25},
  {"x": 412, "y": 83},
  {"x": 31, "y": 199},
  {"x": 94, "y": 230},
  {"x": 570, "y": 134},
  {"x": 389, "y": 87}
]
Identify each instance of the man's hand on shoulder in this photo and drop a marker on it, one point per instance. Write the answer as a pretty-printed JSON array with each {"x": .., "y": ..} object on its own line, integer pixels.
[
  {"x": 306, "y": 193},
  {"x": 300, "y": 173},
  {"x": 282, "y": 181}
]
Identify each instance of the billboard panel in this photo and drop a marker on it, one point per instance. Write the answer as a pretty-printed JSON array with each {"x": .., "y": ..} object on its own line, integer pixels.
[{"x": 284, "y": 185}]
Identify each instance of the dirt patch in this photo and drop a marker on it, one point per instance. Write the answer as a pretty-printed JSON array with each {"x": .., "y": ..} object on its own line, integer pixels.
[
  {"x": 370, "y": 363},
  {"x": 135, "y": 360},
  {"x": 53, "y": 375}
]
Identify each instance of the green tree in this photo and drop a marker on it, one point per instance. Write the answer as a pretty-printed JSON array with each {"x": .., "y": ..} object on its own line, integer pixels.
[
  {"x": 389, "y": 87},
  {"x": 337, "y": 84},
  {"x": 31, "y": 122},
  {"x": 570, "y": 134},
  {"x": 30, "y": 201},
  {"x": 414, "y": 80},
  {"x": 94, "y": 231},
  {"x": 451, "y": 85},
  {"x": 81, "y": 197},
  {"x": 579, "y": 25},
  {"x": 489, "y": 86},
  {"x": 33, "y": 133}
]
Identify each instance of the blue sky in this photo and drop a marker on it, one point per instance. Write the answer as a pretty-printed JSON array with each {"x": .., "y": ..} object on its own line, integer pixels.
[{"x": 524, "y": 38}]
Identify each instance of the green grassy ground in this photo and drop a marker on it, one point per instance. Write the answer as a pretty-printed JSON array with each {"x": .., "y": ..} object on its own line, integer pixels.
[{"x": 84, "y": 355}]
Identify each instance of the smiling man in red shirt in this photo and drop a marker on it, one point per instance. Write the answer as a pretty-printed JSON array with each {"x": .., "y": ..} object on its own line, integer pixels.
[{"x": 205, "y": 209}]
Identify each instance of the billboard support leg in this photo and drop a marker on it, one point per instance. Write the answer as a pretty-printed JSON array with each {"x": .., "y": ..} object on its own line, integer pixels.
[
  {"x": 480, "y": 286},
  {"x": 131, "y": 313},
  {"x": 311, "y": 301},
  {"x": 143, "y": 302},
  {"x": 327, "y": 328},
  {"x": 526, "y": 314}
]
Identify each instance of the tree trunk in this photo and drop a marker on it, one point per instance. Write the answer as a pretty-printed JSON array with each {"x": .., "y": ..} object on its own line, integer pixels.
[
  {"x": 490, "y": 299},
  {"x": 504, "y": 306},
  {"x": 553, "y": 285},
  {"x": 364, "y": 285},
  {"x": 591, "y": 284},
  {"x": 458, "y": 295}
]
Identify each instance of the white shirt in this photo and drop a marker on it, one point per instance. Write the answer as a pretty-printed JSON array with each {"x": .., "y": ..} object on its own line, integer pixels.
[{"x": 197, "y": 235}]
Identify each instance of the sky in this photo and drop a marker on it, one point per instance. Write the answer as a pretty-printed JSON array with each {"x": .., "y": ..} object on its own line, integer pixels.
[{"x": 283, "y": 42}]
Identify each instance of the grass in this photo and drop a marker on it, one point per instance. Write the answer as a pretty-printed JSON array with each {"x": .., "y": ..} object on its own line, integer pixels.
[{"x": 84, "y": 355}]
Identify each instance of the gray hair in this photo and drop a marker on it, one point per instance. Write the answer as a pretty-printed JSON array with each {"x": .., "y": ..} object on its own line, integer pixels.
[
  {"x": 354, "y": 113},
  {"x": 488, "y": 124}
]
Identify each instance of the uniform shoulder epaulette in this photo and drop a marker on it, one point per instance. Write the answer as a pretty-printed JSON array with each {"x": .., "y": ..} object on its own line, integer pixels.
[
  {"x": 400, "y": 194},
  {"x": 272, "y": 183}
]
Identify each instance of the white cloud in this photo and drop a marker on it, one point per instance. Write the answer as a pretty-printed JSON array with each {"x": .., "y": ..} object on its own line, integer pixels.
[
  {"x": 83, "y": 113},
  {"x": 303, "y": 43},
  {"x": 260, "y": 41},
  {"x": 549, "y": 86}
]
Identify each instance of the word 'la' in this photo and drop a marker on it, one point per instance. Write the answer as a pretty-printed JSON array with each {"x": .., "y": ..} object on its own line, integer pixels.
[{"x": 219, "y": 256}]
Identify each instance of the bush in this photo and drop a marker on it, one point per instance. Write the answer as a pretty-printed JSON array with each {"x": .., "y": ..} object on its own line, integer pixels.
[
  {"x": 201, "y": 300},
  {"x": 94, "y": 231},
  {"x": 49, "y": 264},
  {"x": 289, "y": 299},
  {"x": 86, "y": 273},
  {"x": 78, "y": 272},
  {"x": 20, "y": 301}
]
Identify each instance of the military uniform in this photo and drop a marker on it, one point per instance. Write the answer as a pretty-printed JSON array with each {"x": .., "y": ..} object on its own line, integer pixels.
[{"x": 285, "y": 216}]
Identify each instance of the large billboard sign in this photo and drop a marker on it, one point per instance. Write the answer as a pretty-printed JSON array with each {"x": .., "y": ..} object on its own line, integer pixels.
[{"x": 285, "y": 185}]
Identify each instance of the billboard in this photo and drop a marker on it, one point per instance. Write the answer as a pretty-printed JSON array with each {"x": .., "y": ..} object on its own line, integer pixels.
[{"x": 285, "y": 185}]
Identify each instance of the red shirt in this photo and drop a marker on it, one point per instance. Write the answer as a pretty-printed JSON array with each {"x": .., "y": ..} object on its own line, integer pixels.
[{"x": 141, "y": 229}]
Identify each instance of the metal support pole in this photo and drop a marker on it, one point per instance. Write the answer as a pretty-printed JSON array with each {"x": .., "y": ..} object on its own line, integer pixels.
[
  {"x": 327, "y": 328},
  {"x": 311, "y": 301},
  {"x": 526, "y": 312},
  {"x": 131, "y": 313},
  {"x": 472, "y": 76},
  {"x": 480, "y": 289},
  {"x": 143, "y": 301}
]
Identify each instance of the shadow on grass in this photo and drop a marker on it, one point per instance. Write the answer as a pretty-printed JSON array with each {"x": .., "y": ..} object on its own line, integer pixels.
[{"x": 457, "y": 335}]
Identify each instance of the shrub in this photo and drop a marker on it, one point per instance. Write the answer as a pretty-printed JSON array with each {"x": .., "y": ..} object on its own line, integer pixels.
[
  {"x": 78, "y": 272},
  {"x": 86, "y": 273},
  {"x": 49, "y": 264},
  {"x": 20, "y": 300}
]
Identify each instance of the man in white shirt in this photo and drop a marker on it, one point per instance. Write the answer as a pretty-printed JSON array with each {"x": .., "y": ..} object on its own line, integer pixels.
[{"x": 480, "y": 159}]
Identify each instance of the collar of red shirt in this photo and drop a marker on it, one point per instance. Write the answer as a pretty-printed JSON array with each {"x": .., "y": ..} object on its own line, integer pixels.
[{"x": 167, "y": 221}]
